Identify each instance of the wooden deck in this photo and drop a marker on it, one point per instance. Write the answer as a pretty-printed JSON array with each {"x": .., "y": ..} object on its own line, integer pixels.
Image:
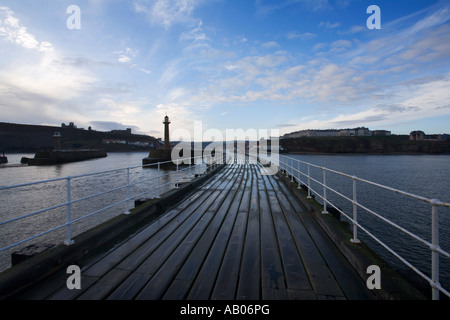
[{"x": 241, "y": 235}]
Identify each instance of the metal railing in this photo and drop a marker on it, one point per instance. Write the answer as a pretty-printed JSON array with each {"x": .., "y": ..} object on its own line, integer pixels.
[
  {"x": 172, "y": 177},
  {"x": 292, "y": 168}
]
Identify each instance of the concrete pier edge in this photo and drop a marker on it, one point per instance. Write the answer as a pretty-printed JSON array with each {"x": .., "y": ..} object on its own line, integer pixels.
[
  {"x": 18, "y": 279},
  {"x": 360, "y": 256}
]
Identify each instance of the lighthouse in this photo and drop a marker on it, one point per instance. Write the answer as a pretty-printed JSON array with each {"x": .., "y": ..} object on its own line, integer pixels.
[
  {"x": 166, "y": 133},
  {"x": 160, "y": 154}
]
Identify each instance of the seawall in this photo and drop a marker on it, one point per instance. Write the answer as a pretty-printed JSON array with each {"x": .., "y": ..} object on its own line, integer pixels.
[{"x": 64, "y": 156}]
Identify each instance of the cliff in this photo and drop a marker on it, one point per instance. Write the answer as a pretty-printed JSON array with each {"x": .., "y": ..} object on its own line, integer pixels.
[
  {"x": 31, "y": 138},
  {"x": 369, "y": 145}
]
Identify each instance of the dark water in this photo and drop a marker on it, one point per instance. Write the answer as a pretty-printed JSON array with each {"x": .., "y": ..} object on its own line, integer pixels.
[
  {"x": 24, "y": 200},
  {"x": 423, "y": 175}
]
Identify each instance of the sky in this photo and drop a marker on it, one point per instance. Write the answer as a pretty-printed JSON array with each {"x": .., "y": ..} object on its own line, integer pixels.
[{"x": 279, "y": 66}]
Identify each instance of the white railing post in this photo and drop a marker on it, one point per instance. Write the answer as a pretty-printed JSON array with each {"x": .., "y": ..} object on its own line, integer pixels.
[
  {"x": 324, "y": 192},
  {"x": 159, "y": 177},
  {"x": 309, "y": 184},
  {"x": 128, "y": 192},
  {"x": 177, "y": 175},
  {"x": 292, "y": 170},
  {"x": 69, "y": 240},
  {"x": 355, "y": 214},
  {"x": 299, "y": 175},
  {"x": 286, "y": 164},
  {"x": 189, "y": 171},
  {"x": 434, "y": 247}
]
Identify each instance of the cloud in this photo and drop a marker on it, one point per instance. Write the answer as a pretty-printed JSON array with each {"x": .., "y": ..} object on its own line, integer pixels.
[
  {"x": 167, "y": 12},
  {"x": 12, "y": 31},
  {"x": 301, "y": 36},
  {"x": 353, "y": 30},
  {"x": 45, "y": 71},
  {"x": 329, "y": 25},
  {"x": 270, "y": 44},
  {"x": 264, "y": 8},
  {"x": 127, "y": 55}
]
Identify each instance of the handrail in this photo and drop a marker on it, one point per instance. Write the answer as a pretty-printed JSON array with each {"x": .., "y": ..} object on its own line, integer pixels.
[
  {"x": 128, "y": 197},
  {"x": 291, "y": 166}
]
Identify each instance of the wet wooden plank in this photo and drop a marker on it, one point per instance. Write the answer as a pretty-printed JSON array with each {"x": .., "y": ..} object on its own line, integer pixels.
[
  {"x": 47, "y": 288},
  {"x": 186, "y": 219},
  {"x": 295, "y": 273},
  {"x": 66, "y": 294},
  {"x": 104, "y": 286},
  {"x": 227, "y": 278},
  {"x": 272, "y": 273},
  {"x": 204, "y": 283},
  {"x": 163, "y": 267},
  {"x": 153, "y": 261},
  {"x": 339, "y": 271},
  {"x": 322, "y": 279},
  {"x": 115, "y": 256},
  {"x": 130, "y": 287},
  {"x": 249, "y": 279},
  {"x": 190, "y": 254}
]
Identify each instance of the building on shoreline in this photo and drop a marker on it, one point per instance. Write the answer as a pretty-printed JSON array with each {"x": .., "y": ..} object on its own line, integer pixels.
[
  {"x": 360, "y": 132},
  {"x": 421, "y": 136}
]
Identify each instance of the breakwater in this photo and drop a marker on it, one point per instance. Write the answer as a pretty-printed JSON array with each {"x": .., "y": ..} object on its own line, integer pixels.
[{"x": 63, "y": 156}]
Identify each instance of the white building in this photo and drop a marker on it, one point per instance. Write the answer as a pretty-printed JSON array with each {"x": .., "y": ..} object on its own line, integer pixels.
[{"x": 361, "y": 131}]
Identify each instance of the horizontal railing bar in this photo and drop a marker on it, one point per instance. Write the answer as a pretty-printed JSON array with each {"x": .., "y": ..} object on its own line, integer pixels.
[
  {"x": 32, "y": 183},
  {"x": 394, "y": 225},
  {"x": 99, "y": 210},
  {"x": 86, "y": 175},
  {"x": 34, "y": 237},
  {"x": 34, "y": 213},
  {"x": 425, "y": 199},
  {"x": 97, "y": 194}
]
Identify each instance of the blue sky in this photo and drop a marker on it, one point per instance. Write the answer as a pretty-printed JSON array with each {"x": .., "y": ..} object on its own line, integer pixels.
[{"x": 232, "y": 64}]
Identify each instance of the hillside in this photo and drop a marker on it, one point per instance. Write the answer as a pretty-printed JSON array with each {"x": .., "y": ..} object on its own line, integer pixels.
[
  {"x": 371, "y": 145},
  {"x": 30, "y": 138}
]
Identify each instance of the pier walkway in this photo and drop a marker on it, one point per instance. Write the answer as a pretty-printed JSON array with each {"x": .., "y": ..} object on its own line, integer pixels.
[{"x": 240, "y": 235}]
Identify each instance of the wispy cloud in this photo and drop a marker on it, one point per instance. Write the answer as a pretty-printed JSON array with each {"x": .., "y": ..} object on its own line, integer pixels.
[
  {"x": 127, "y": 55},
  {"x": 167, "y": 12},
  {"x": 302, "y": 36},
  {"x": 264, "y": 8},
  {"x": 329, "y": 25},
  {"x": 270, "y": 44},
  {"x": 45, "y": 72}
]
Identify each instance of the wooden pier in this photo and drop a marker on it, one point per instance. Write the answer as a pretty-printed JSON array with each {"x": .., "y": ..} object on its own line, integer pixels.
[{"x": 240, "y": 235}]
